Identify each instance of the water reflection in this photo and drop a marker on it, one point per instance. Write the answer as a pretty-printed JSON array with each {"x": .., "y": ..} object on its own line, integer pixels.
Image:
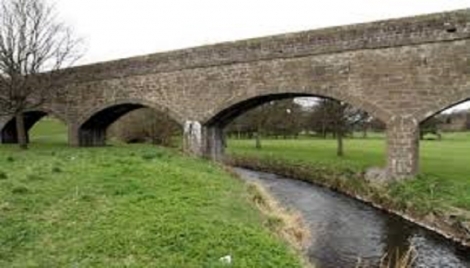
[{"x": 396, "y": 238}]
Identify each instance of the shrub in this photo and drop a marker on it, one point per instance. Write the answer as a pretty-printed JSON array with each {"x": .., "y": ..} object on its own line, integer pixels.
[
  {"x": 145, "y": 126},
  {"x": 35, "y": 177},
  {"x": 56, "y": 169},
  {"x": 20, "y": 190},
  {"x": 150, "y": 156}
]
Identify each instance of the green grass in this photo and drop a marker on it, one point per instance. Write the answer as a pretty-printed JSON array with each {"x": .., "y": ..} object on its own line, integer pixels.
[
  {"x": 49, "y": 131},
  {"x": 359, "y": 153},
  {"x": 445, "y": 164},
  {"x": 125, "y": 206}
]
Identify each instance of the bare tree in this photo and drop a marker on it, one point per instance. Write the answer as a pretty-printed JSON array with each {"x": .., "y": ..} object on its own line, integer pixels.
[
  {"x": 34, "y": 47},
  {"x": 145, "y": 125},
  {"x": 337, "y": 118}
]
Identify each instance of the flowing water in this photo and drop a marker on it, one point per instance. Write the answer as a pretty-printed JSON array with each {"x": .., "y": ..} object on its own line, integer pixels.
[{"x": 344, "y": 230}]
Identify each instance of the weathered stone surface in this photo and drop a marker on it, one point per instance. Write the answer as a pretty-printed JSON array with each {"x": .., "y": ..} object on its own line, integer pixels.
[{"x": 401, "y": 71}]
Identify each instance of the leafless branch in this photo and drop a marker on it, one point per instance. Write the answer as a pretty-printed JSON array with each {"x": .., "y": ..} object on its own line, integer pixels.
[{"x": 34, "y": 48}]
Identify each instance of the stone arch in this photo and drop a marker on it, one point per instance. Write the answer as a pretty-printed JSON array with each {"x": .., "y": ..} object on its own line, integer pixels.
[
  {"x": 441, "y": 105},
  {"x": 8, "y": 132},
  {"x": 234, "y": 107},
  {"x": 91, "y": 127},
  {"x": 217, "y": 119}
]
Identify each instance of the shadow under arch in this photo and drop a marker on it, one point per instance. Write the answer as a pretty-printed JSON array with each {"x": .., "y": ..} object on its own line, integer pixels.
[
  {"x": 9, "y": 132},
  {"x": 92, "y": 126}
]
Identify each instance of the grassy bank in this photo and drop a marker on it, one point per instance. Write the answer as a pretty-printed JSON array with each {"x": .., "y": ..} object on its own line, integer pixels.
[
  {"x": 438, "y": 198},
  {"x": 126, "y": 206},
  {"x": 444, "y": 164}
]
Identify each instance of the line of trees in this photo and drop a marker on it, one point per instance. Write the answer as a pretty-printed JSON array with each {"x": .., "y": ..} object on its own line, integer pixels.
[
  {"x": 327, "y": 118},
  {"x": 289, "y": 119}
]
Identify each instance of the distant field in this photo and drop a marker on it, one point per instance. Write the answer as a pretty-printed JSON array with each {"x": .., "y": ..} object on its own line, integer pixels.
[
  {"x": 49, "y": 131},
  {"x": 448, "y": 158},
  {"x": 125, "y": 206}
]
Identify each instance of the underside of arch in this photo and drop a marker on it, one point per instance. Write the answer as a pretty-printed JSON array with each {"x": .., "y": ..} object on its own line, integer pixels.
[
  {"x": 92, "y": 128},
  {"x": 9, "y": 133},
  {"x": 93, "y": 131},
  {"x": 227, "y": 115},
  {"x": 424, "y": 116},
  {"x": 213, "y": 145}
]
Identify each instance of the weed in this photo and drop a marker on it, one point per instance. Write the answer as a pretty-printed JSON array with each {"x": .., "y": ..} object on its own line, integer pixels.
[
  {"x": 287, "y": 224},
  {"x": 56, "y": 169},
  {"x": 20, "y": 190},
  {"x": 87, "y": 198},
  {"x": 151, "y": 156},
  {"x": 35, "y": 177}
]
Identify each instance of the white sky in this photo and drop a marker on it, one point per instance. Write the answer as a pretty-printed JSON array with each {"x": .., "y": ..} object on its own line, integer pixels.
[{"x": 116, "y": 29}]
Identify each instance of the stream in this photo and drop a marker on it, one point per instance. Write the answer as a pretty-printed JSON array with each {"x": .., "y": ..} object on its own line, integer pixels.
[{"x": 344, "y": 229}]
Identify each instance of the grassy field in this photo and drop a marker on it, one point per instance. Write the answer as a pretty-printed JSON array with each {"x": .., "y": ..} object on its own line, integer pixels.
[
  {"x": 445, "y": 168},
  {"x": 444, "y": 164},
  {"x": 49, "y": 132},
  {"x": 125, "y": 206}
]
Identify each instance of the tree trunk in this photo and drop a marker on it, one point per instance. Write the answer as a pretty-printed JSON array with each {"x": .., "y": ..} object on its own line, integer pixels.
[
  {"x": 21, "y": 131},
  {"x": 258, "y": 136},
  {"x": 224, "y": 139},
  {"x": 258, "y": 140},
  {"x": 339, "y": 138}
]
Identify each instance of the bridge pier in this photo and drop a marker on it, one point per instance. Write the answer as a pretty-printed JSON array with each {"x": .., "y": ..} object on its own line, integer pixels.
[
  {"x": 73, "y": 135},
  {"x": 402, "y": 147},
  {"x": 192, "y": 138},
  {"x": 94, "y": 137},
  {"x": 203, "y": 141},
  {"x": 214, "y": 143}
]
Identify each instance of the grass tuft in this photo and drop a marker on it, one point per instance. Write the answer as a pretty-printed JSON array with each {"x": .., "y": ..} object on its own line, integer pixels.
[
  {"x": 398, "y": 260},
  {"x": 20, "y": 190},
  {"x": 153, "y": 155},
  {"x": 35, "y": 177},
  {"x": 56, "y": 169},
  {"x": 288, "y": 224}
]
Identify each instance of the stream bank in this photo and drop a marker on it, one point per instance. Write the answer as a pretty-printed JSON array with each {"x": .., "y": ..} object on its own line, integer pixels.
[
  {"x": 344, "y": 230},
  {"x": 452, "y": 226}
]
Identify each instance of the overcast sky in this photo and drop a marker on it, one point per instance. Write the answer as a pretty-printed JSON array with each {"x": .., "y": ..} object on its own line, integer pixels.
[{"x": 116, "y": 29}]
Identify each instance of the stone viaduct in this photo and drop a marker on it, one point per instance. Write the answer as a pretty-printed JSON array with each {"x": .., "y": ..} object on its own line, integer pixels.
[{"x": 401, "y": 71}]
